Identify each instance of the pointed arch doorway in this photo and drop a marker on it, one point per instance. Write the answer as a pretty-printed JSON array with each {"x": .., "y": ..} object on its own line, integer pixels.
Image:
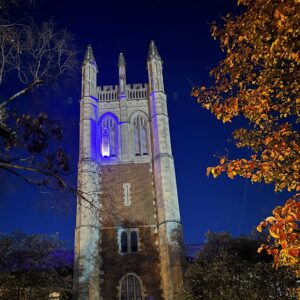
[{"x": 131, "y": 288}]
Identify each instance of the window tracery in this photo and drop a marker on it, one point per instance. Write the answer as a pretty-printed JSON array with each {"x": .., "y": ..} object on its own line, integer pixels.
[
  {"x": 140, "y": 136},
  {"x": 131, "y": 288},
  {"x": 108, "y": 137},
  {"x": 124, "y": 242}
]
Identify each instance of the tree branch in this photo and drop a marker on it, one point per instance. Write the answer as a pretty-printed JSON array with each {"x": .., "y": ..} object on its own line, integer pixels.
[
  {"x": 23, "y": 92},
  {"x": 58, "y": 178}
]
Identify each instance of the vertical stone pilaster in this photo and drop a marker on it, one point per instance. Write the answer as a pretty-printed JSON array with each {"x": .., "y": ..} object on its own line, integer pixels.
[
  {"x": 169, "y": 226},
  {"x": 88, "y": 137},
  {"x": 122, "y": 77},
  {"x": 87, "y": 233},
  {"x": 124, "y": 131}
]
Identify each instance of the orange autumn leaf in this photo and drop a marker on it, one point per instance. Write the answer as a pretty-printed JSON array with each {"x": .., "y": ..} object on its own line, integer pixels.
[
  {"x": 284, "y": 234},
  {"x": 294, "y": 252}
]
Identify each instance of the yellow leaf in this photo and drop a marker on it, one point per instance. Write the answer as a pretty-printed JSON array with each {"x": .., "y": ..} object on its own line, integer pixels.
[
  {"x": 273, "y": 234},
  {"x": 270, "y": 219},
  {"x": 258, "y": 228}
]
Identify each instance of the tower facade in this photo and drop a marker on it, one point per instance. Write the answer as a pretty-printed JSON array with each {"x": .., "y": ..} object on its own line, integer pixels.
[{"x": 128, "y": 240}]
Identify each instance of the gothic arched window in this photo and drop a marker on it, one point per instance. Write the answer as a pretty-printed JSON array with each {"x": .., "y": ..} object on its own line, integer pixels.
[
  {"x": 105, "y": 143},
  {"x": 140, "y": 136},
  {"x": 136, "y": 141},
  {"x": 144, "y": 140},
  {"x": 134, "y": 241},
  {"x": 131, "y": 288},
  {"x": 109, "y": 137},
  {"x": 124, "y": 242},
  {"x": 129, "y": 241}
]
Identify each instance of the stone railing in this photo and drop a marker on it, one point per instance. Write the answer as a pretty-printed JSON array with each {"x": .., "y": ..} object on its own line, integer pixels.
[{"x": 134, "y": 91}]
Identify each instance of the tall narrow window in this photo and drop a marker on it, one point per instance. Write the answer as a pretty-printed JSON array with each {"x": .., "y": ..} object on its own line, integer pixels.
[
  {"x": 144, "y": 140},
  {"x": 124, "y": 242},
  {"x": 105, "y": 143},
  {"x": 134, "y": 241},
  {"x": 140, "y": 136},
  {"x": 112, "y": 139},
  {"x": 136, "y": 141},
  {"x": 109, "y": 137}
]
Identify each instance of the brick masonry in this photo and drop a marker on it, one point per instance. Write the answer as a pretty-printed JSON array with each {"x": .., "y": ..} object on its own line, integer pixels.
[{"x": 140, "y": 214}]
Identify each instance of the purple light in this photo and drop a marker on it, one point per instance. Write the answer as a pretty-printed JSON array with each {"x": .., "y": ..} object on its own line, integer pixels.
[
  {"x": 108, "y": 136},
  {"x": 105, "y": 143}
]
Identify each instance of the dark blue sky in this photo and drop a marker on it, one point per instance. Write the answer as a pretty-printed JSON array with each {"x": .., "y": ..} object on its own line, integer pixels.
[{"x": 181, "y": 32}]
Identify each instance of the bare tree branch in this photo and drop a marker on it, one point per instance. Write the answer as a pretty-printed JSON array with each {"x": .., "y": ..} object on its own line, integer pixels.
[
  {"x": 37, "y": 55},
  {"x": 23, "y": 92}
]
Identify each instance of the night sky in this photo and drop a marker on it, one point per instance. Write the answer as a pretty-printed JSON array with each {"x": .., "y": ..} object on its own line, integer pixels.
[{"x": 181, "y": 32}]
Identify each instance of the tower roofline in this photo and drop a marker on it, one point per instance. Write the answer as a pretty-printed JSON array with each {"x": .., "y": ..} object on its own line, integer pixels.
[{"x": 153, "y": 52}]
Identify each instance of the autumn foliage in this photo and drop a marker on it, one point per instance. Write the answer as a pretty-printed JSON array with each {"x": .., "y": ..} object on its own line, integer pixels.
[
  {"x": 283, "y": 229},
  {"x": 259, "y": 80}
]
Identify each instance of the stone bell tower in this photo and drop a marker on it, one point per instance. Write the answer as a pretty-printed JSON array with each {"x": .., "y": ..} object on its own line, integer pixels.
[{"x": 128, "y": 241}]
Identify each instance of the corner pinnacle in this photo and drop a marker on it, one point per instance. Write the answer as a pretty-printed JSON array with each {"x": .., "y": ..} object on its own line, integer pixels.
[
  {"x": 89, "y": 55},
  {"x": 121, "y": 61},
  {"x": 153, "y": 52}
]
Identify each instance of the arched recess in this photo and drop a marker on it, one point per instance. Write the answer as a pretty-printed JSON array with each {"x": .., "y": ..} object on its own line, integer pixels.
[
  {"x": 108, "y": 135},
  {"x": 124, "y": 242},
  {"x": 133, "y": 241},
  {"x": 131, "y": 287},
  {"x": 140, "y": 132}
]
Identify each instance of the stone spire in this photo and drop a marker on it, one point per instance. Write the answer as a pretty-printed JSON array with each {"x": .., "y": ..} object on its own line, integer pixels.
[
  {"x": 89, "y": 74},
  {"x": 154, "y": 66},
  {"x": 122, "y": 77},
  {"x": 89, "y": 56},
  {"x": 153, "y": 52},
  {"x": 121, "y": 61}
]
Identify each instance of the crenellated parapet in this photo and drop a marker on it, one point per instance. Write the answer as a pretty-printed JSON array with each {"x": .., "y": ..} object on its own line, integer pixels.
[
  {"x": 108, "y": 93},
  {"x": 133, "y": 91},
  {"x": 137, "y": 91}
]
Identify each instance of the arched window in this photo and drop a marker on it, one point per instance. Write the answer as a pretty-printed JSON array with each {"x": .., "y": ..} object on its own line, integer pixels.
[
  {"x": 109, "y": 137},
  {"x": 112, "y": 139},
  {"x": 140, "y": 136},
  {"x": 136, "y": 141},
  {"x": 124, "y": 242},
  {"x": 105, "y": 143},
  {"x": 133, "y": 241},
  {"x": 131, "y": 288},
  {"x": 144, "y": 150},
  {"x": 129, "y": 240}
]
